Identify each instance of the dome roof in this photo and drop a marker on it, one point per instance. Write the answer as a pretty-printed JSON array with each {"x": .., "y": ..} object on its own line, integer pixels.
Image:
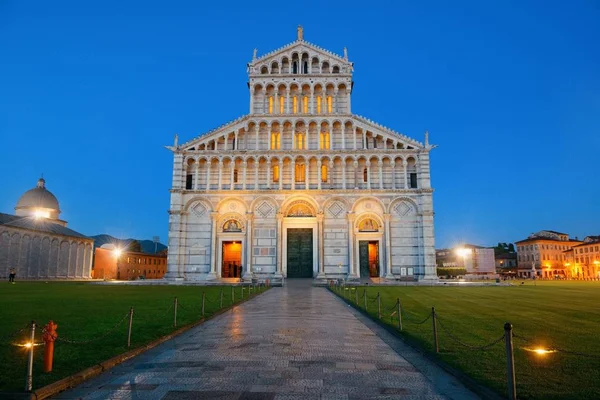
[{"x": 38, "y": 197}]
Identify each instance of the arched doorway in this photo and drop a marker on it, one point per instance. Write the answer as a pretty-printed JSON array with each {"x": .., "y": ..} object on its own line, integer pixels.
[
  {"x": 369, "y": 247},
  {"x": 300, "y": 235}
]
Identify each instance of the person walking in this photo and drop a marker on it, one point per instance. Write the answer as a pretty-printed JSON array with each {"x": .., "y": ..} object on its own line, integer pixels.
[{"x": 11, "y": 275}]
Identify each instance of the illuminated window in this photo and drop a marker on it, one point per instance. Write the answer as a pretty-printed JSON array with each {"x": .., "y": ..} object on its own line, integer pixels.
[
  {"x": 295, "y": 105},
  {"x": 324, "y": 173},
  {"x": 329, "y": 104},
  {"x": 275, "y": 141},
  {"x": 281, "y": 104},
  {"x": 270, "y": 104},
  {"x": 300, "y": 173},
  {"x": 324, "y": 140},
  {"x": 300, "y": 141},
  {"x": 319, "y": 104},
  {"x": 235, "y": 176},
  {"x": 305, "y": 104},
  {"x": 276, "y": 173}
]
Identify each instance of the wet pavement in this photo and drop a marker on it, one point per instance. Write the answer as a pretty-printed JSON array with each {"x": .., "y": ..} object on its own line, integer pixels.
[{"x": 295, "y": 342}]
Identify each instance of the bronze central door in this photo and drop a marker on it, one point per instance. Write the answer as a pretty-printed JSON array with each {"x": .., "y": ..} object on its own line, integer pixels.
[{"x": 300, "y": 253}]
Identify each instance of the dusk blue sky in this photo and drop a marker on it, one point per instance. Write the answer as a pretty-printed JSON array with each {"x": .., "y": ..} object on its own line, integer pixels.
[{"x": 91, "y": 92}]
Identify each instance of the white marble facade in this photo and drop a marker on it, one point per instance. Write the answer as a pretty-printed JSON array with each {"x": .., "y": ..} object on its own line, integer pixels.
[{"x": 301, "y": 159}]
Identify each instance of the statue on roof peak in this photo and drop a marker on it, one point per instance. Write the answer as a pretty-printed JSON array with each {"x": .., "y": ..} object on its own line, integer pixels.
[{"x": 300, "y": 33}]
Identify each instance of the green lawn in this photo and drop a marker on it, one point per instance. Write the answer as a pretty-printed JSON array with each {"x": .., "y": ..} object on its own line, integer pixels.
[
  {"x": 563, "y": 315},
  {"x": 84, "y": 311}
]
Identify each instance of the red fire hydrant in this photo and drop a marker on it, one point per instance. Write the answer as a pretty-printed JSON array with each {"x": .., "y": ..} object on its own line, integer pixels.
[{"x": 49, "y": 337}]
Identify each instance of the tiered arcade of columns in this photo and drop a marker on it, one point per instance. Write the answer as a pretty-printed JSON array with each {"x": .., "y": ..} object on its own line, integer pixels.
[{"x": 301, "y": 159}]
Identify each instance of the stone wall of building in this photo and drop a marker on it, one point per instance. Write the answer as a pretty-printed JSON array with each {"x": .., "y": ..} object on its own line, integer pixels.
[{"x": 40, "y": 255}]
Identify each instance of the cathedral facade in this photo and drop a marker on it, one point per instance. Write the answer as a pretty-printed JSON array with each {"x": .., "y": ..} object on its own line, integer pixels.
[{"x": 301, "y": 187}]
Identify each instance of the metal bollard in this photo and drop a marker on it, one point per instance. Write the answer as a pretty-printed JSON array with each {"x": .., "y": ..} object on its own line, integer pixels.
[
  {"x": 130, "y": 326},
  {"x": 175, "y": 313},
  {"x": 365, "y": 297},
  {"x": 435, "y": 335},
  {"x": 399, "y": 314},
  {"x": 242, "y": 293},
  {"x": 356, "y": 295},
  {"x": 29, "y": 379},
  {"x": 510, "y": 362},
  {"x": 221, "y": 299},
  {"x": 203, "y": 302},
  {"x": 378, "y": 305}
]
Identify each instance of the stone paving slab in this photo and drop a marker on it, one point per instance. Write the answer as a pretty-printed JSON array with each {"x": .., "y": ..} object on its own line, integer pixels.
[{"x": 295, "y": 342}]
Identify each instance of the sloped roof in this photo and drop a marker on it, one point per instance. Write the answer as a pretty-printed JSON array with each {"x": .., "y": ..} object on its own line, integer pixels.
[
  {"x": 356, "y": 117},
  {"x": 38, "y": 225}
]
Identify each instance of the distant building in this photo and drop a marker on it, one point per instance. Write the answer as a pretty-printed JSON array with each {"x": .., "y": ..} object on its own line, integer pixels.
[
  {"x": 584, "y": 259},
  {"x": 506, "y": 260},
  {"x": 543, "y": 254},
  {"x": 111, "y": 264},
  {"x": 38, "y": 245},
  {"x": 475, "y": 261}
]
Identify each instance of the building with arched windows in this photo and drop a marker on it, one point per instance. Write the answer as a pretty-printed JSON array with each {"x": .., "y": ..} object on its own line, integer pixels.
[{"x": 301, "y": 186}]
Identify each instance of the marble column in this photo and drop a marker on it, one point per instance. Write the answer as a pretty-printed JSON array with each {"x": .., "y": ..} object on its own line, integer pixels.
[
  {"x": 405, "y": 165},
  {"x": 281, "y": 174},
  {"x": 208, "y": 167},
  {"x": 244, "y": 169},
  {"x": 248, "y": 267},
  {"x": 351, "y": 262},
  {"x": 269, "y": 174},
  {"x": 393, "y": 165},
  {"x": 388, "y": 247},
  {"x": 231, "y": 174},
  {"x": 257, "y": 142},
  {"x": 220, "y": 183},
  {"x": 293, "y": 174},
  {"x": 380, "y": 165},
  {"x": 343, "y": 174},
  {"x": 319, "y": 174},
  {"x": 197, "y": 176},
  {"x": 213, "y": 254},
  {"x": 257, "y": 167},
  {"x": 279, "y": 244},
  {"x": 355, "y": 165},
  {"x": 321, "y": 246},
  {"x": 307, "y": 176}
]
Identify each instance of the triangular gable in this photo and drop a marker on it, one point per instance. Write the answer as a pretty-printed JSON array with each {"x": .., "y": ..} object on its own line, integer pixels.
[
  {"x": 374, "y": 126},
  {"x": 216, "y": 131},
  {"x": 300, "y": 45}
]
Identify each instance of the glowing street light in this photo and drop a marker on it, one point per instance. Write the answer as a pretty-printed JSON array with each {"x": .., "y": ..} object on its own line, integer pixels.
[{"x": 464, "y": 252}]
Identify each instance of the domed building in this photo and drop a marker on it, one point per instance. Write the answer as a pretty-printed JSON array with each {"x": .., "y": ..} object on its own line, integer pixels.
[
  {"x": 38, "y": 245},
  {"x": 39, "y": 202}
]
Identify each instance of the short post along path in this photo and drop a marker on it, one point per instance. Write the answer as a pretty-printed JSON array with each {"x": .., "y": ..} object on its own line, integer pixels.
[{"x": 293, "y": 342}]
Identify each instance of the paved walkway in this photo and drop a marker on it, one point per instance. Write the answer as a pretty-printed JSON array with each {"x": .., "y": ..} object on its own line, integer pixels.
[{"x": 296, "y": 342}]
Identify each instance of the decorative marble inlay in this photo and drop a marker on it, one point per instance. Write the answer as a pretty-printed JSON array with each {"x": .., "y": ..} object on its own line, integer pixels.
[
  {"x": 265, "y": 209},
  {"x": 368, "y": 205},
  {"x": 402, "y": 209},
  {"x": 232, "y": 206},
  {"x": 336, "y": 209},
  {"x": 199, "y": 209}
]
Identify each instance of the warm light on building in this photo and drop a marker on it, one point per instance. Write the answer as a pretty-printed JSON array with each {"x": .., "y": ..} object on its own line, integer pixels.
[
  {"x": 464, "y": 252},
  {"x": 41, "y": 214}
]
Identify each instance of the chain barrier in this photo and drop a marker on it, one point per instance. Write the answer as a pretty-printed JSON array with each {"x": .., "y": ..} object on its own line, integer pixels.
[
  {"x": 468, "y": 346},
  {"x": 412, "y": 321},
  {"x": 105, "y": 334},
  {"x": 15, "y": 333}
]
